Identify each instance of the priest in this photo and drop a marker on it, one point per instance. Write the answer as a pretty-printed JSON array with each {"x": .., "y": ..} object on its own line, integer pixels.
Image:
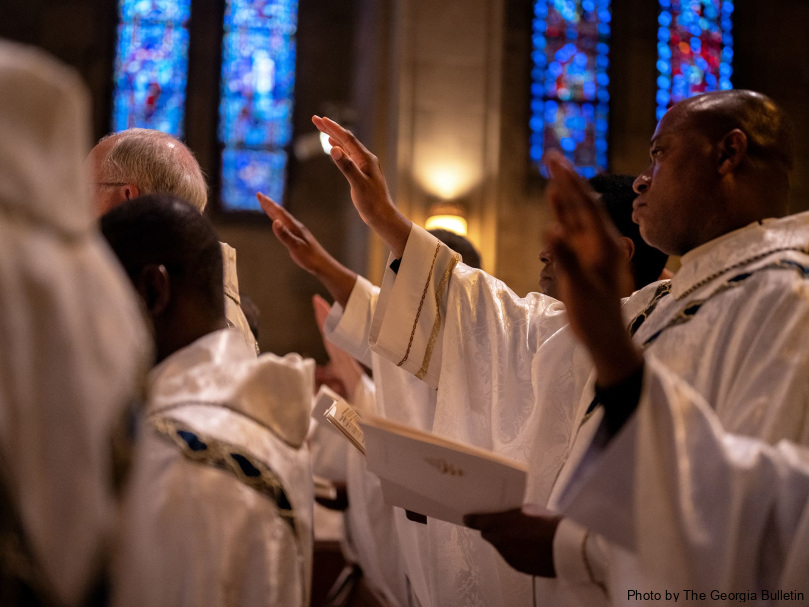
[
  {"x": 219, "y": 509},
  {"x": 136, "y": 162},
  {"x": 524, "y": 376},
  {"x": 703, "y": 509},
  {"x": 74, "y": 348}
]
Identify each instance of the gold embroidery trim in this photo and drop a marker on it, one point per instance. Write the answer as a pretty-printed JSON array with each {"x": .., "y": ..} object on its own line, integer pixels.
[
  {"x": 428, "y": 354},
  {"x": 421, "y": 303},
  {"x": 739, "y": 264},
  {"x": 218, "y": 454}
]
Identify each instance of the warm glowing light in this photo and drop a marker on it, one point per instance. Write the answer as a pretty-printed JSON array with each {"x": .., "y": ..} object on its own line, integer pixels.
[
  {"x": 453, "y": 223},
  {"x": 446, "y": 180},
  {"x": 324, "y": 142}
]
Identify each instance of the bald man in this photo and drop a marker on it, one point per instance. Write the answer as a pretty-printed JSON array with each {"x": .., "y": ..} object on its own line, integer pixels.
[
  {"x": 137, "y": 162},
  {"x": 517, "y": 375}
]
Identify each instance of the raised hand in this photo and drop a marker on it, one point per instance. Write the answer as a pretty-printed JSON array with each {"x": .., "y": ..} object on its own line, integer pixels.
[
  {"x": 523, "y": 537},
  {"x": 591, "y": 272},
  {"x": 307, "y": 252},
  {"x": 369, "y": 191}
]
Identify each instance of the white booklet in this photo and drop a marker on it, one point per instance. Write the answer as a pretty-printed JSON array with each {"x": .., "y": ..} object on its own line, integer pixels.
[
  {"x": 438, "y": 477},
  {"x": 345, "y": 418}
]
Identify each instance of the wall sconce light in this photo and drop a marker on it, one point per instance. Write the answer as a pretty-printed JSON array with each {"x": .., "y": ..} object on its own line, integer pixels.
[{"x": 447, "y": 215}]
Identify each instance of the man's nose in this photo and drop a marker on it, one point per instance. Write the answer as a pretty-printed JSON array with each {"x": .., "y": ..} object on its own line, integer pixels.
[
  {"x": 545, "y": 256},
  {"x": 641, "y": 183}
]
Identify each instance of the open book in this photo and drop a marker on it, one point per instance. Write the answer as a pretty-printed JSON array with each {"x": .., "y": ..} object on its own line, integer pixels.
[
  {"x": 329, "y": 409},
  {"x": 345, "y": 418},
  {"x": 438, "y": 477}
]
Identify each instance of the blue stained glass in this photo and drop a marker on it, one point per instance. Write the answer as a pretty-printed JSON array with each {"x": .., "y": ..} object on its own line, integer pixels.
[
  {"x": 245, "y": 172},
  {"x": 694, "y": 49},
  {"x": 151, "y": 65},
  {"x": 255, "y": 111},
  {"x": 168, "y": 11},
  {"x": 569, "y": 97}
]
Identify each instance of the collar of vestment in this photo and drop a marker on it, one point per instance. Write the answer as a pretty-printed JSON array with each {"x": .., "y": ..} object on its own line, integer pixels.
[
  {"x": 738, "y": 248},
  {"x": 220, "y": 370}
]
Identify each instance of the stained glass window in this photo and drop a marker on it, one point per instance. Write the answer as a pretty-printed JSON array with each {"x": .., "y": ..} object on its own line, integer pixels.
[
  {"x": 569, "y": 82},
  {"x": 694, "y": 49},
  {"x": 255, "y": 112},
  {"x": 151, "y": 65}
]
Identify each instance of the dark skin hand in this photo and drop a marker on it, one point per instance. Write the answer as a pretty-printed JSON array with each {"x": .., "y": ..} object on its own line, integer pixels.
[
  {"x": 523, "y": 537},
  {"x": 305, "y": 250}
]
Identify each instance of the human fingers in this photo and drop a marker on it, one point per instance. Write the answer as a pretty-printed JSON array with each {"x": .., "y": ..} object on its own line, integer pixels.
[
  {"x": 322, "y": 309},
  {"x": 344, "y": 138},
  {"x": 582, "y": 207},
  {"x": 270, "y": 207},
  {"x": 285, "y": 235},
  {"x": 486, "y": 521}
]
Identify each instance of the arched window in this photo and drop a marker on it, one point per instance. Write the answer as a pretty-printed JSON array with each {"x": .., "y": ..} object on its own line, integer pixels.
[
  {"x": 256, "y": 89},
  {"x": 569, "y": 82},
  {"x": 255, "y": 112},
  {"x": 151, "y": 65},
  {"x": 694, "y": 49}
]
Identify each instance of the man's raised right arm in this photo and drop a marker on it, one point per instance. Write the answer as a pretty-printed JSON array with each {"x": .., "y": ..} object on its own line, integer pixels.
[{"x": 369, "y": 191}]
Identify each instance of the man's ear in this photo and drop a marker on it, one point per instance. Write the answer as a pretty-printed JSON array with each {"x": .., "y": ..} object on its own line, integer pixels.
[
  {"x": 154, "y": 287},
  {"x": 131, "y": 191},
  {"x": 628, "y": 247},
  {"x": 732, "y": 149}
]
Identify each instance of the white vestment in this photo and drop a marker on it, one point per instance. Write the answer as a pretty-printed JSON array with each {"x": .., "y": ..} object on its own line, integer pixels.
[
  {"x": 703, "y": 509},
  {"x": 74, "y": 348},
  {"x": 512, "y": 378},
  {"x": 219, "y": 510},
  {"x": 400, "y": 545},
  {"x": 233, "y": 300}
]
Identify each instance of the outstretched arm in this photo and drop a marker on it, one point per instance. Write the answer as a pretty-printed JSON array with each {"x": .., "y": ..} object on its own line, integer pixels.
[
  {"x": 369, "y": 192},
  {"x": 308, "y": 253},
  {"x": 591, "y": 278}
]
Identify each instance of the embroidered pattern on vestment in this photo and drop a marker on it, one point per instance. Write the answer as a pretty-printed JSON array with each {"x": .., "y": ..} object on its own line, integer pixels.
[
  {"x": 439, "y": 293},
  {"x": 691, "y": 309},
  {"x": 421, "y": 304},
  {"x": 229, "y": 458},
  {"x": 662, "y": 290}
]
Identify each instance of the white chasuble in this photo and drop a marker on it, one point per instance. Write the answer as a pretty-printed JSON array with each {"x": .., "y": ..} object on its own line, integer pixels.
[
  {"x": 74, "y": 349},
  {"x": 704, "y": 510},
  {"x": 233, "y": 299},
  {"x": 399, "y": 396},
  {"x": 219, "y": 510},
  {"x": 512, "y": 378}
]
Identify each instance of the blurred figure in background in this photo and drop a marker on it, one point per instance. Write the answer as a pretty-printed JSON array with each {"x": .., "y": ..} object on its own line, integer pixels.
[
  {"x": 136, "y": 162},
  {"x": 645, "y": 262},
  {"x": 74, "y": 348}
]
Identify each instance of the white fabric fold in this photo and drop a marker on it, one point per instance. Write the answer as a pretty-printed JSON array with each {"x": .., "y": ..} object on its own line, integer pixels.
[
  {"x": 268, "y": 389},
  {"x": 233, "y": 300},
  {"x": 194, "y": 533},
  {"x": 74, "y": 349},
  {"x": 512, "y": 378},
  {"x": 703, "y": 509}
]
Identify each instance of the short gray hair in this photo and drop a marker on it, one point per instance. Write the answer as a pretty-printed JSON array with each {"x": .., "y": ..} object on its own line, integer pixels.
[{"x": 156, "y": 163}]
